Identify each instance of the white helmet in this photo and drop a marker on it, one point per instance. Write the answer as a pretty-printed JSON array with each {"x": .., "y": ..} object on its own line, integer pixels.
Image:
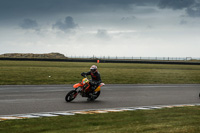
[{"x": 93, "y": 68}]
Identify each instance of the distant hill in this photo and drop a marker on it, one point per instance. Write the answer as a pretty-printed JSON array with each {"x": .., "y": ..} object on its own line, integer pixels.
[{"x": 31, "y": 55}]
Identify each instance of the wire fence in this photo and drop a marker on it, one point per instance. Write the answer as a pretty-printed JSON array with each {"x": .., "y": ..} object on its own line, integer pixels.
[
  {"x": 137, "y": 58},
  {"x": 58, "y": 55}
]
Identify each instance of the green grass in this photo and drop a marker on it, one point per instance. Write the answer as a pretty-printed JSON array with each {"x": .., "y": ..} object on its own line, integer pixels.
[
  {"x": 174, "y": 120},
  {"x": 38, "y": 72}
]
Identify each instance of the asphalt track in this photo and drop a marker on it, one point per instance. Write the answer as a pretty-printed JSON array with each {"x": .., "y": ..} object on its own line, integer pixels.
[{"x": 22, "y": 99}]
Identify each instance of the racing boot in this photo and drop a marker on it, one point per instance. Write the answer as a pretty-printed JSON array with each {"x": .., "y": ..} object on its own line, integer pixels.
[{"x": 91, "y": 94}]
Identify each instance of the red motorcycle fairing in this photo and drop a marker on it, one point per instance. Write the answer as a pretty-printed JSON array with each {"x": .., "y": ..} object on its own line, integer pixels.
[{"x": 77, "y": 85}]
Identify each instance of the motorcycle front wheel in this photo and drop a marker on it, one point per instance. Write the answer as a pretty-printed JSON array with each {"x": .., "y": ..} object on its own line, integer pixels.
[{"x": 71, "y": 96}]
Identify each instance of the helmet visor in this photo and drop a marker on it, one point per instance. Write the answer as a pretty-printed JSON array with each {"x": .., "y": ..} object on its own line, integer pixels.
[{"x": 93, "y": 70}]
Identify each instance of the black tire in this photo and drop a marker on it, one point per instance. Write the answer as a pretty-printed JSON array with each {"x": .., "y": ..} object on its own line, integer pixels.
[
  {"x": 95, "y": 96},
  {"x": 199, "y": 95},
  {"x": 71, "y": 96}
]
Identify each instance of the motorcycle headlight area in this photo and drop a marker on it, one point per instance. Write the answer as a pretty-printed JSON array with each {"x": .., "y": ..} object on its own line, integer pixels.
[{"x": 85, "y": 80}]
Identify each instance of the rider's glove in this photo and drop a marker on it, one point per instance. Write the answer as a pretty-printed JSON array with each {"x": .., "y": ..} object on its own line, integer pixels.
[{"x": 83, "y": 74}]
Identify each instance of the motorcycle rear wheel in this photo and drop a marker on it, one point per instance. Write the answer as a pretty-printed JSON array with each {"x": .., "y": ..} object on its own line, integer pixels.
[
  {"x": 95, "y": 96},
  {"x": 71, "y": 96}
]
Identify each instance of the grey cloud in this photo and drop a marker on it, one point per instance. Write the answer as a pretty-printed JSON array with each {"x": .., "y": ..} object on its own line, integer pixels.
[
  {"x": 194, "y": 11},
  {"x": 128, "y": 18},
  {"x": 12, "y": 9},
  {"x": 102, "y": 34},
  {"x": 29, "y": 24},
  {"x": 183, "y": 22},
  {"x": 124, "y": 2},
  {"x": 67, "y": 25},
  {"x": 192, "y": 7},
  {"x": 175, "y": 4},
  {"x": 22, "y": 8}
]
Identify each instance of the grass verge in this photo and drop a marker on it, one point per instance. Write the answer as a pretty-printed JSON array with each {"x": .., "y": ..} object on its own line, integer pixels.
[
  {"x": 44, "y": 72},
  {"x": 167, "y": 120}
]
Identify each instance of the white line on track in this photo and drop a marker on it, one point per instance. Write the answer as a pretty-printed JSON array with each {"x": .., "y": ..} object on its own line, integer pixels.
[{"x": 89, "y": 111}]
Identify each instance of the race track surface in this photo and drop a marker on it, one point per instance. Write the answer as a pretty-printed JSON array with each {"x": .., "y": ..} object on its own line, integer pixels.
[{"x": 22, "y": 99}]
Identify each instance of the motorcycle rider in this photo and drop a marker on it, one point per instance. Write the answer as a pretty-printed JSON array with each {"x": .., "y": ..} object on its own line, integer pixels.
[{"x": 96, "y": 78}]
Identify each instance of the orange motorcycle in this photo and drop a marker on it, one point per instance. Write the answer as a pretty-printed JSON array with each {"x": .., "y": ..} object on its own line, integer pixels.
[{"x": 84, "y": 88}]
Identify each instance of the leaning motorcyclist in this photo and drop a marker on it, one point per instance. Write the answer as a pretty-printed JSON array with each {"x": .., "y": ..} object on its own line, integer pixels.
[{"x": 96, "y": 78}]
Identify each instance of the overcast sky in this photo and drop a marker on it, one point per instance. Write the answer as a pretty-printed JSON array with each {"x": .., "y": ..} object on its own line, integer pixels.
[{"x": 147, "y": 28}]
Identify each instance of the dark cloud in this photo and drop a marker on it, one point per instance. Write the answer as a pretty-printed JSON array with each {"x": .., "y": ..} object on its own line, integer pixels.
[
  {"x": 29, "y": 24},
  {"x": 67, "y": 25},
  {"x": 175, "y": 4},
  {"x": 122, "y": 2},
  {"x": 22, "y": 8},
  {"x": 192, "y": 7},
  {"x": 194, "y": 11}
]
